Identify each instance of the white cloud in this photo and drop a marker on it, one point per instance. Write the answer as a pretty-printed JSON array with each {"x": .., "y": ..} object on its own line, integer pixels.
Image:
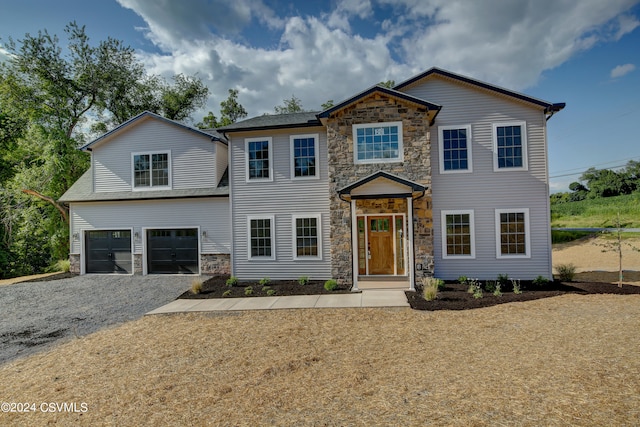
[
  {"x": 621, "y": 70},
  {"x": 321, "y": 58}
]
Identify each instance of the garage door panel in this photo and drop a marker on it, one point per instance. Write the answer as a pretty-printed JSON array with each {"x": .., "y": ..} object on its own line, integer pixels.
[
  {"x": 172, "y": 251},
  {"x": 108, "y": 251}
]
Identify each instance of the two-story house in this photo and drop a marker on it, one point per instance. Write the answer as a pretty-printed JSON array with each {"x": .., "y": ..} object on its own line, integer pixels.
[{"x": 442, "y": 175}]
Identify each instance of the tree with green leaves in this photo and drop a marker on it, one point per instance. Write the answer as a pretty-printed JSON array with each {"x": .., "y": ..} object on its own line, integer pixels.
[
  {"x": 292, "y": 105},
  {"x": 327, "y": 105},
  {"x": 51, "y": 102},
  {"x": 389, "y": 84},
  {"x": 230, "y": 112}
]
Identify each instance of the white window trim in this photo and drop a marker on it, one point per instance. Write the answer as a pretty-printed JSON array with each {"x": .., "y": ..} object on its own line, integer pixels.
[
  {"x": 525, "y": 146},
  {"x": 316, "y": 138},
  {"x": 318, "y": 218},
  {"x": 272, "y": 222},
  {"x": 246, "y": 158},
  {"x": 151, "y": 187},
  {"x": 441, "y": 130},
  {"x": 472, "y": 232},
  {"x": 354, "y": 130},
  {"x": 527, "y": 231}
]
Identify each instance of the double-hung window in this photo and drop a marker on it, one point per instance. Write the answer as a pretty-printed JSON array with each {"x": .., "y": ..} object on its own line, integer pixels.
[
  {"x": 307, "y": 237},
  {"x": 509, "y": 146},
  {"x": 151, "y": 171},
  {"x": 378, "y": 143},
  {"x": 458, "y": 234},
  {"x": 261, "y": 237},
  {"x": 259, "y": 159},
  {"x": 304, "y": 156},
  {"x": 455, "y": 149},
  {"x": 512, "y": 233}
]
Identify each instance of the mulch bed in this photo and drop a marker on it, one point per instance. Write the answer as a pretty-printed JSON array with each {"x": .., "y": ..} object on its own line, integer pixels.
[
  {"x": 216, "y": 287},
  {"x": 455, "y": 296}
]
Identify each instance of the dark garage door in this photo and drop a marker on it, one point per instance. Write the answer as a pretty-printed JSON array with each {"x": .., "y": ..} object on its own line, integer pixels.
[
  {"x": 172, "y": 251},
  {"x": 108, "y": 251}
]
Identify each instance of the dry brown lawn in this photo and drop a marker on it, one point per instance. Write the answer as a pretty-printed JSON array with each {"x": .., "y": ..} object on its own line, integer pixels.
[{"x": 569, "y": 360}]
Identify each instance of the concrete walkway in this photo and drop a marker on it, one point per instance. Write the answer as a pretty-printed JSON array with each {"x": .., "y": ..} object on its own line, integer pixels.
[{"x": 369, "y": 298}]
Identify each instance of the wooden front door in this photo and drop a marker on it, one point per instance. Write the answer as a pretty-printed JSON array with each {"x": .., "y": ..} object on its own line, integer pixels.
[{"x": 380, "y": 234}]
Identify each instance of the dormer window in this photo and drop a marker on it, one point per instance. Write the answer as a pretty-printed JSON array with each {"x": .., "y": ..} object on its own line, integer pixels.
[
  {"x": 378, "y": 143},
  {"x": 151, "y": 171}
]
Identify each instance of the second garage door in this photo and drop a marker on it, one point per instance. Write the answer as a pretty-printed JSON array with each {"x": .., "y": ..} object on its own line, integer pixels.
[{"x": 172, "y": 251}]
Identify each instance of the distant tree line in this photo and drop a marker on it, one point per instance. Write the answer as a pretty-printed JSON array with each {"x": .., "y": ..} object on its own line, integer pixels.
[{"x": 595, "y": 183}]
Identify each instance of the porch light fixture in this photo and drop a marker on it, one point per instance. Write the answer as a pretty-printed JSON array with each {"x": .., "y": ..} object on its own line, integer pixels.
[
  {"x": 76, "y": 236},
  {"x": 204, "y": 233},
  {"x": 136, "y": 235}
]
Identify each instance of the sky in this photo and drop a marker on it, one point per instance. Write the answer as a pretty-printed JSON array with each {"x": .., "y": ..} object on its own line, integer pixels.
[{"x": 585, "y": 53}]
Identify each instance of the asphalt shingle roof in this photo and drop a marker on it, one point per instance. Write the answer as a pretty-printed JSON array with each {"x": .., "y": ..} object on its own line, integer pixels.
[{"x": 274, "y": 121}]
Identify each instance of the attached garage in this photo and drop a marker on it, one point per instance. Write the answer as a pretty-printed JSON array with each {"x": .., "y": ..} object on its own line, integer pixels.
[
  {"x": 108, "y": 251},
  {"x": 173, "y": 251}
]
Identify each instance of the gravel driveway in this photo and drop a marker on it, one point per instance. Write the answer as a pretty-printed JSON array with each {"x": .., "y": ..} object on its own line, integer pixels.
[{"x": 35, "y": 315}]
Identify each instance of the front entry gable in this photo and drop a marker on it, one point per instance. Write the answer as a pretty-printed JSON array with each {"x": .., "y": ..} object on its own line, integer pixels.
[{"x": 382, "y": 184}]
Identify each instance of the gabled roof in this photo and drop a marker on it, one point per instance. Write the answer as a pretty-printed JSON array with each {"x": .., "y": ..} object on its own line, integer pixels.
[
  {"x": 413, "y": 189},
  {"x": 548, "y": 106},
  {"x": 215, "y": 136},
  {"x": 274, "y": 121},
  {"x": 432, "y": 108}
]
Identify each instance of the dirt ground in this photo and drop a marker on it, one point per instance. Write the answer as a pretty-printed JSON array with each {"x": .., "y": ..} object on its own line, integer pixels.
[
  {"x": 589, "y": 255},
  {"x": 567, "y": 360}
]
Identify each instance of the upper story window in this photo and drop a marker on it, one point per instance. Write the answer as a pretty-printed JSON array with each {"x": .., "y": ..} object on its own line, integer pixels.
[
  {"x": 455, "y": 149},
  {"x": 510, "y": 146},
  {"x": 259, "y": 159},
  {"x": 512, "y": 233},
  {"x": 304, "y": 156},
  {"x": 378, "y": 142},
  {"x": 151, "y": 170}
]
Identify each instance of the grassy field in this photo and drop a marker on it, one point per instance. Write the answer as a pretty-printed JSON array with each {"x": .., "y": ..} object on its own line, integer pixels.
[{"x": 598, "y": 212}]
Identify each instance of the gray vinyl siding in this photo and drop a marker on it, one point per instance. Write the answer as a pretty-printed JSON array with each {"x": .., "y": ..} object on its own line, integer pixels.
[
  {"x": 209, "y": 214},
  {"x": 281, "y": 198},
  {"x": 193, "y": 156},
  {"x": 222, "y": 159},
  {"x": 484, "y": 190}
]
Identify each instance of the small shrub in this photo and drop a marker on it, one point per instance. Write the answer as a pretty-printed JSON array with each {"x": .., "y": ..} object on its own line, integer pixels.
[
  {"x": 248, "y": 290},
  {"x": 303, "y": 280},
  {"x": 63, "y": 265},
  {"x": 503, "y": 280},
  {"x": 491, "y": 286},
  {"x": 271, "y": 292},
  {"x": 566, "y": 272},
  {"x": 227, "y": 293},
  {"x": 496, "y": 291},
  {"x": 463, "y": 280},
  {"x": 540, "y": 281},
  {"x": 431, "y": 285},
  {"x": 264, "y": 281},
  {"x": 266, "y": 288},
  {"x": 196, "y": 286},
  {"x": 478, "y": 292},
  {"x": 330, "y": 285},
  {"x": 473, "y": 283},
  {"x": 516, "y": 286},
  {"x": 232, "y": 281}
]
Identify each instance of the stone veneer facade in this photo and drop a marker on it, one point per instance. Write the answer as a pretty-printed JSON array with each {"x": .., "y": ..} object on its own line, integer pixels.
[
  {"x": 416, "y": 167},
  {"x": 209, "y": 263}
]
